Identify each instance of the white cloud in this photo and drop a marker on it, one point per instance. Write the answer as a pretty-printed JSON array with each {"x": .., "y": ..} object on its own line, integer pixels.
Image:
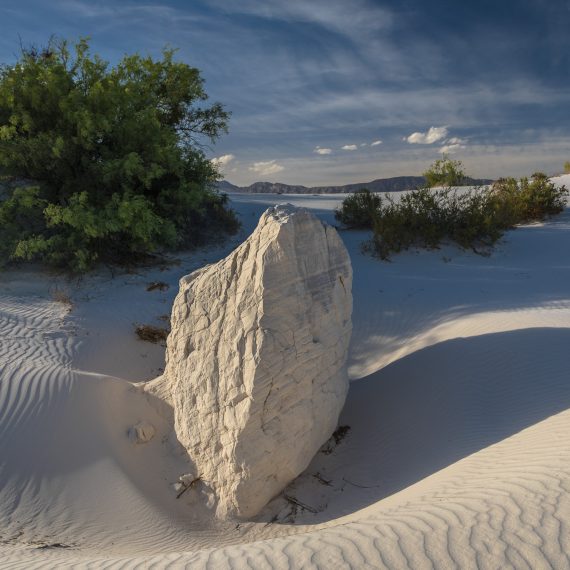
[
  {"x": 266, "y": 168},
  {"x": 320, "y": 150},
  {"x": 376, "y": 143},
  {"x": 349, "y": 147},
  {"x": 363, "y": 144},
  {"x": 223, "y": 160},
  {"x": 434, "y": 134}
]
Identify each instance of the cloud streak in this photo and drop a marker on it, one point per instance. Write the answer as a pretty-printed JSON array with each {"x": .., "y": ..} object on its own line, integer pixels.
[
  {"x": 354, "y": 19},
  {"x": 453, "y": 145}
]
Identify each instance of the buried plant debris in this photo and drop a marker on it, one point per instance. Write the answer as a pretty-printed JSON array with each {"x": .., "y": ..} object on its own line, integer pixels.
[
  {"x": 338, "y": 435},
  {"x": 150, "y": 333},
  {"x": 157, "y": 285}
]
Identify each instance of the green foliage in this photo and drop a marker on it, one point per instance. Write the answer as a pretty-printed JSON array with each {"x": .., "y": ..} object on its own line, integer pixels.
[
  {"x": 528, "y": 199},
  {"x": 567, "y": 167},
  {"x": 114, "y": 153},
  {"x": 471, "y": 218},
  {"x": 359, "y": 210},
  {"x": 416, "y": 218},
  {"x": 445, "y": 172},
  {"x": 21, "y": 216}
]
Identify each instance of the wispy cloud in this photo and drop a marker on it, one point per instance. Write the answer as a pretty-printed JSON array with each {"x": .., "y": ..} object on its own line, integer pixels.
[
  {"x": 460, "y": 106},
  {"x": 349, "y": 147},
  {"x": 358, "y": 17},
  {"x": 450, "y": 148},
  {"x": 85, "y": 9},
  {"x": 320, "y": 150},
  {"x": 433, "y": 135},
  {"x": 453, "y": 145},
  {"x": 266, "y": 168},
  {"x": 376, "y": 143}
]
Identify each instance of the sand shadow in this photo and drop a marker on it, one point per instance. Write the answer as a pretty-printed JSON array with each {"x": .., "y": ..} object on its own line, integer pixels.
[{"x": 433, "y": 408}]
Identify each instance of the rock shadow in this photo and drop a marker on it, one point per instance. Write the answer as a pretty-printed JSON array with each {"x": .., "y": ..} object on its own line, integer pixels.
[{"x": 429, "y": 410}]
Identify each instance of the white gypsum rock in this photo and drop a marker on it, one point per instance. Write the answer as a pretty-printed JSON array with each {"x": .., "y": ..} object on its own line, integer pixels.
[{"x": 256, "y": 360}]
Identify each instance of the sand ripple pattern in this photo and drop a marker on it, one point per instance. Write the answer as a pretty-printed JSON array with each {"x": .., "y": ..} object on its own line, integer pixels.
[
  {"x": 35, "y": 352},
  {"x": 507, "y": 508}
]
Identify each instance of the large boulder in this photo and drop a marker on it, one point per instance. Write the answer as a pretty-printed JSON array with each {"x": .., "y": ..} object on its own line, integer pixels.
[{"x": 256, "y": 360}]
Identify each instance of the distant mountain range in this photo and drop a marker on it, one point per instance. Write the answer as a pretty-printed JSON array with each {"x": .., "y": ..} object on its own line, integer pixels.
[{"x": 396, "y": 184}]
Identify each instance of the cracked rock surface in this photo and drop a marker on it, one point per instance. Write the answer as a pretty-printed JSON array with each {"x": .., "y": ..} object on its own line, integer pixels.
[{"x": 256, "y": 360}]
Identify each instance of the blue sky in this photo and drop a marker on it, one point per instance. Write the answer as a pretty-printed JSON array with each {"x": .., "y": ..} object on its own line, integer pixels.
[{"x": 339, "y": 91}]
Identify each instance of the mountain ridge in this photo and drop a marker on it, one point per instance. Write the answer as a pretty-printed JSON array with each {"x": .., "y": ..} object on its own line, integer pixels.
[{"x": 393, "y": 184}]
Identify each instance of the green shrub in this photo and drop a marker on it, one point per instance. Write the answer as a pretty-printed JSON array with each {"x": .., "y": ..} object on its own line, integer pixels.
[
  {"x": 445, "y": 172},
  {"x": 567, "y": 167},
  {"x": 21, "y": 216},
  {"x": 529, "y": 199},
  {"x": 114, "y": 154},
  {"x": 415, "y": 219},
  {"x": 472, "y": 218},
  {"x": 359, "y": 210}
]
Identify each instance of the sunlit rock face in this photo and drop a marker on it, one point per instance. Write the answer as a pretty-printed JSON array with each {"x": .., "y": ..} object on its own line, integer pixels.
[{"x": 256, "y": 360}]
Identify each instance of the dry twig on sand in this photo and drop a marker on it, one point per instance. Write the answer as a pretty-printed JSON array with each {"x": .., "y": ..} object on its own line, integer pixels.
[
  {"x": 298, "y": 503},
  {"x": 188, "y": 486}
]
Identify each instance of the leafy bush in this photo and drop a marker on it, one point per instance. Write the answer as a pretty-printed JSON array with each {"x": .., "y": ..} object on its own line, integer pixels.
[
  {"x": 21, "y": 217},
  {"x": 567, "y": 167},
  {"x": 528, "y": 199},
  {"x": 472, "y": 218},
  {"x": 445, "y": 172},
  {"x": 418, "y": 218},
  {"x": 114, "y": 154},
  {"x": 359, "y": 210}
]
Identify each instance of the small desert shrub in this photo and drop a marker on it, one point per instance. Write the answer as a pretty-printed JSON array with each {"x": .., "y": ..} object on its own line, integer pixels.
[
  {"x": 528, "y": 199},
  {"x": 473, "y": 218},
  {"x": 417, "y": 219},
  {"x": 61, "y": 296},
  {"x": 445, "y": 172},
  {"x": 567, "y": 167},
  {"x": 359, "y": 210}
]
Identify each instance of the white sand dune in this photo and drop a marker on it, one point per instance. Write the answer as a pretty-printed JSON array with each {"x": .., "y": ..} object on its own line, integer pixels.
[{"x": 457, "y": 456}]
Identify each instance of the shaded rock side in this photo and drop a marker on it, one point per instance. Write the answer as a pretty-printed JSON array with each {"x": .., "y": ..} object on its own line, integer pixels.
[{"x": 256, "y": 360}]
